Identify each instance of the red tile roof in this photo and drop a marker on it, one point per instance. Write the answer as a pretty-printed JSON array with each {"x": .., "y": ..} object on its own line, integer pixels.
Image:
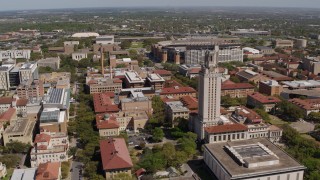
[
  {"x": 7, "y": 115},
  {"x": 263, "y": 99},
  {"x": 251, "y": 115},
  {"x": 307, "y": 104},
  {"x": 109, "y": 123},
  {"x": 162, "y": 72},
  {"x": 48, "y": 171},
  {"x": 177, "y": 90},
  {"x": 103, "y": 103},
  {"x": 194, "y": 71},
  {"x": 228, "y": 82},
  {"x": 237, "y": 86},
  {"x": 171, "y": 83},
  {"x": 6, "y": 100},
  {"x": 22, "y": 102},
  {"x": 42, "y": 138},
  {"x": 190, "y": 102},
  {"x": 226, "y": 128},
  {"x": 115, "y": 154}
]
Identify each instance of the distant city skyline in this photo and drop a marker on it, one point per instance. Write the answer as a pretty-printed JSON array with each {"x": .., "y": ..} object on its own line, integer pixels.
[{"x": 57, "y": 4}]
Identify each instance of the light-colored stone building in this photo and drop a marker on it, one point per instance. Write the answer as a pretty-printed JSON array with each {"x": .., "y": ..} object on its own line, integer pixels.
[
  {"x": 49, "y": 147},
  {"x": 252, "y": 159},
  {"x": 22, "y": 130},
  {"x": 115, "y": 157},
  {"x": 174, "y": 110}
]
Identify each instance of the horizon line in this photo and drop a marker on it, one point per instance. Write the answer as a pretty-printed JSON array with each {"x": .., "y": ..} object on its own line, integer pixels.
[{"x": 158, "y": 7}]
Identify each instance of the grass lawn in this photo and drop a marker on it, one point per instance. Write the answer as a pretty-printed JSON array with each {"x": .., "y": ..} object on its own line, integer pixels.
[
  {"x": 277, "y": 121},
  {"x": 9, "y": 174},
  {"x": 136, "y": 45}
]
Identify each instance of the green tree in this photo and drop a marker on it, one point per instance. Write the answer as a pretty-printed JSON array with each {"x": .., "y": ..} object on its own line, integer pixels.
[
  {"x": 169, "y": 153},
  {"x": 45, "y": 69},
  {"x": 35, "y": 56},
  {"x": 122, "y": 176},
  {"x": 157, "y": 134},
  {"x": 314, "y": 116},
  {"x": 263, "y": 114},
  {"x": 152, "y": 161},
  {"x": 235, "y": 79},
  {"x": 65, "y": 166},
  {"x": 289, "y": 110},
  {"x": 187, "y": 144},
  {"x": 125, "y": 44},
  {"x": 10, "y": 160},
  {"x": 17, "y": 147}
]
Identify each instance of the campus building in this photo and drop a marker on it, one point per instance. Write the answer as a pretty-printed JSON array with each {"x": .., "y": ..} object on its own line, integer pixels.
[{"x": 252, "y": 159}]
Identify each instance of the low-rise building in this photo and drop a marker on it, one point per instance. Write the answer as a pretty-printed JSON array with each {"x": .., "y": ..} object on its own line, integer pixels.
[
  {"x": 54, "y": 77},
  {"x": 245, "y": 115},
  {"x": 113, "y": 124},
  {"x": 49, "y": 147},
  {"x": 226, "y": 132},
  {"x": 191, "y": 103},
  {"x": 53, "y": 63},
  {"x": 104, "y": 103},
  {"x": 174, "y": 110},
  {"x": 270, "y": 88},
  {"x": 284, "y": 43},
  {"x": 251, "y": 159},
  {"x": 250, "y": 76},
  {"x": 32, "y": 90},
  {"x": 107, "y": 125},
  {"x": 266, "y": 50},
  {"x": 54, "y": 120},
  {"x": 9, "y": 116},
  {"x": 136, "y": 103},
  {"x": 100, "y": 85},
  {"x": 236, "y": 90},
  {"x": 155, "y": 81},
  {"x": 15, "y": 54},
  {"x": 259, "y": 100},
  {"x": 77, "y": 56},
  {"x": 115, "y": 157},
  {"x": 166, "y": 75},
  {"x": 124, "y": 62},
  {"x": 24, "y": 174},
  {"x": 307, "y": 105},
  {"x": 22, "y": 130},
  {"x": 178, "y": 92},
  {"x": 57, "y": 98},
  {"x": 49, "y": 171},
  {"x": 133, "y": 80},
  {"x": 311, "y": 64},
  {"x": 262, "y": 130}
]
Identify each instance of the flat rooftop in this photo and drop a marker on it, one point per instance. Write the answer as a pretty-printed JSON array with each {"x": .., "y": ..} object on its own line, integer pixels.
[
  {"x": 133, "y": 77},
  {"x": 176, "y": 106},
  {"x": 302, "y": 84},
  {"x": 28, "y": 65},
  {"x": 21, "y": 127},
  {"x": 232, "y": 155},
  {"x": 155, "y": 78},
  {"x": 24, "y": 174}
]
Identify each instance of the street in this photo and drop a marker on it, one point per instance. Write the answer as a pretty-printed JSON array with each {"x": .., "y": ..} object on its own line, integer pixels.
[{"x": 75, "y": 170}]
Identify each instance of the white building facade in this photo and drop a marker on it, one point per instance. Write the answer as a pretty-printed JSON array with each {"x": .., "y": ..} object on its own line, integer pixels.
[{"x": 15, "y": 54}]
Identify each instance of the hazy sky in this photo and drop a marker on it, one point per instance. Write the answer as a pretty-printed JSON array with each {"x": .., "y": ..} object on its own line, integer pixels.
[{"x": 52, "y": 4}]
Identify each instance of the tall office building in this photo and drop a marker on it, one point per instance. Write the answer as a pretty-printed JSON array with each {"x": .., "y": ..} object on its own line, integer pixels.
[
  {"x": 28, "y": 70},
  {"x": 209, "y": 93},
  {"x": 4, "y": 76}
]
